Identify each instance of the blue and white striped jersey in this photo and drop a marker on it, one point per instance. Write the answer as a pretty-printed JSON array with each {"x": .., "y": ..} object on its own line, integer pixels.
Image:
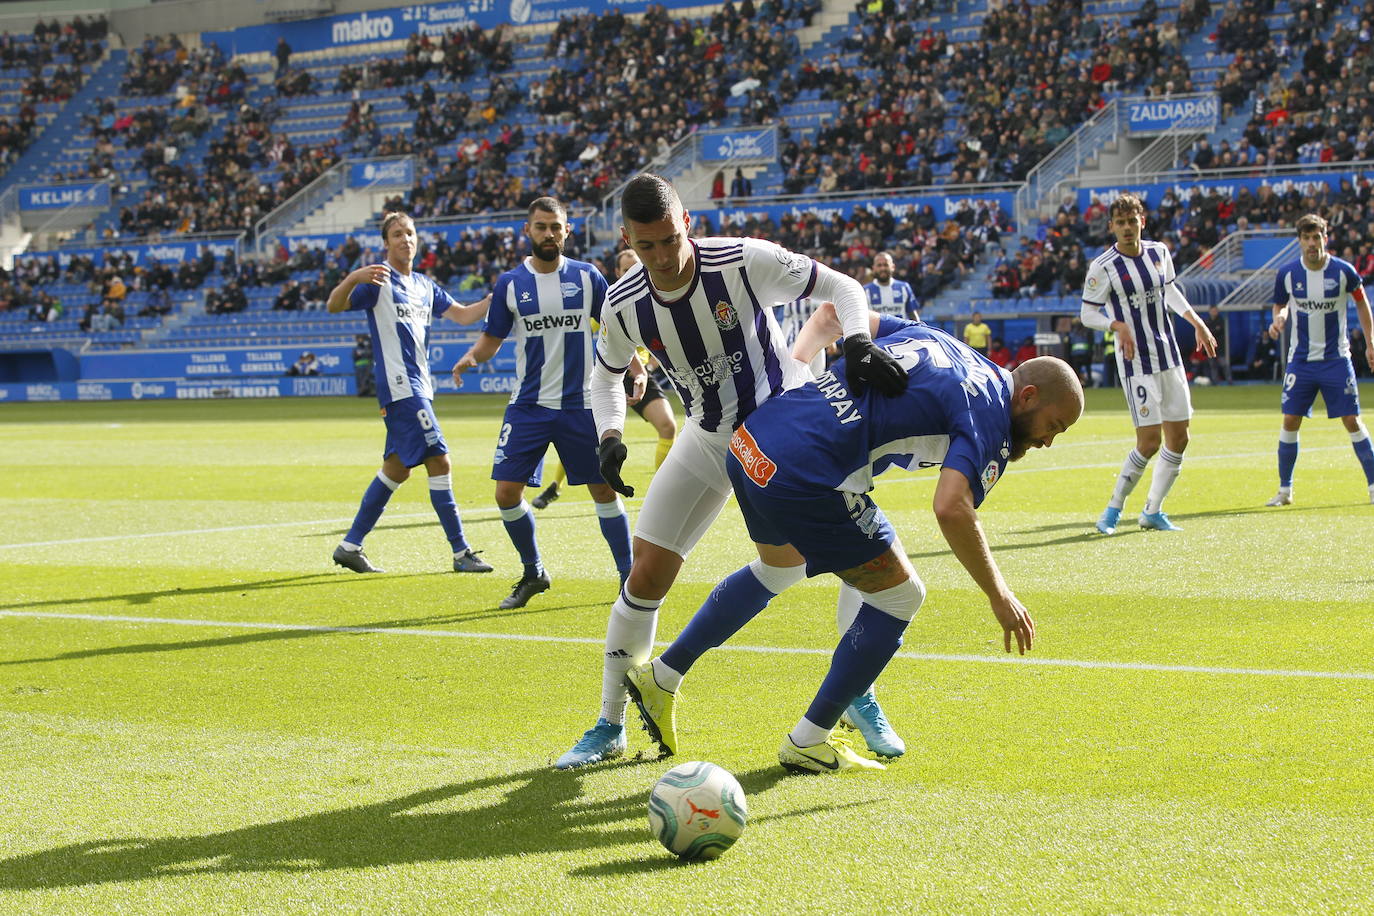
[
  {"x": 719, "y": 342},
  {"x": 550, "y": 316},
  {"x": 1132, "y": 290},
  {"x": 1318, "y": 300},
  {"x": 399, "y": 315},
  {"x": 955, "y": 413},
  {"x": 896, "y": 298}
]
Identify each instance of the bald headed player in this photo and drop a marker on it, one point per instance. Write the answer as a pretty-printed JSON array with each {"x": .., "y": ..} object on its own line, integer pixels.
[{"x": 802, "y": 466}]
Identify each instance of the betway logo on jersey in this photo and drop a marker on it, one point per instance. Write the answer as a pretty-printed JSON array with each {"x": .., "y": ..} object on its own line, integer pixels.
[
  {"x": 363, "y": 28},
  {"x": 756, "y": 464},
  {"x": 1319, "y": 305},
  {"x": 571, "y": 321}
]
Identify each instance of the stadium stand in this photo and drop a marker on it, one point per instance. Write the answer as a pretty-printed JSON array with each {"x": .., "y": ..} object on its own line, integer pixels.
[{"x": 935, "y": 95}]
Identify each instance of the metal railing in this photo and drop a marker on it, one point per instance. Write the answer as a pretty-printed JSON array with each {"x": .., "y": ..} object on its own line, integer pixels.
[
  {"x": 680, "y": 158},
  {"x": 331, "y": 182},
  {"x": 1225, "y": 263},
  {"x": 1257, "y": 289},
  {"x": 1162, "y": 154},
  {"x": 1067, "y": 158}
]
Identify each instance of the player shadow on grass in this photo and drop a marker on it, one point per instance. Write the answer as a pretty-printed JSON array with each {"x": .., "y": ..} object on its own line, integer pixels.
[
  {"x": 1128, "y": 524},
  {"x": 238, "y": 585},
  {"x": 1004, "y": 546},
  {"x": 539, "y": 810},
  {"x": 468, "y": 522},
  {"x": 303, "y": 632},
  {"x": 653, "y": 858}
]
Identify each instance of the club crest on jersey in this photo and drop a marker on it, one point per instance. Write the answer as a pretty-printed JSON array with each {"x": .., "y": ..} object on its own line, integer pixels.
[
  {"x": 990, "y": 475},
  {"x": 726, "y": 317}
]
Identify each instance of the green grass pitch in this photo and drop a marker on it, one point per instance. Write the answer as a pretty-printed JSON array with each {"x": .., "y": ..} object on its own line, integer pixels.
[{"x": 1193, "y": 734}]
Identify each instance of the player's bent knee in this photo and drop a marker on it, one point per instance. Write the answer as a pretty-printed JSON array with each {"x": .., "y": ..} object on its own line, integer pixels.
[
  {"x": 653, "y": 571},
  {"x": 900, "y": 601},
  {"x": 777, "y": 579}
]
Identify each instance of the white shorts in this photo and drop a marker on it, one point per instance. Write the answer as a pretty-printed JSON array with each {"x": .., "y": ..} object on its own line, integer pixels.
[
  {"x": 687, "y": 492},
  {"x": 1159, "y": 397}
]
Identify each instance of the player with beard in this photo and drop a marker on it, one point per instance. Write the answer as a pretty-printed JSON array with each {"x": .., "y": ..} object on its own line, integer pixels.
[
  {"x": 547, "y": 304},
  {"x": 802, "y": 465},
  {"x": 886, "y": 294}
]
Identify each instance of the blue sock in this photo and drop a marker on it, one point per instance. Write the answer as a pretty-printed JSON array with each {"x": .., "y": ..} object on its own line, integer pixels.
[
  {"x": 731, "y": 605},
  {"x": 519, "y": 522},
  {"x": 861, "y": 656},
  {"x": 1365, "y": 452},
  {"x": 374, "y": 503},
  {"x": 1288, "y": 457},
  {"x": 615, "y": 528},
  {"x": 446, "y": 507}
]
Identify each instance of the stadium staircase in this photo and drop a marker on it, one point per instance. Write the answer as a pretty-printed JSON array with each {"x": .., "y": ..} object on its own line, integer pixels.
[{"x": 104, "y": 83}]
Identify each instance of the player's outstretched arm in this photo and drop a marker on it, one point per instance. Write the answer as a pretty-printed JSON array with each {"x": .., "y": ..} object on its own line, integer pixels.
[
  {"x": 376, "y": 274},
  {"x": 1174, "y": 298},
  {"x": 484, "y": 349},
  {"x": 822, "y": 329},
  {"x": 471, "y": 313},
  {"x": 959, "y": 524}
]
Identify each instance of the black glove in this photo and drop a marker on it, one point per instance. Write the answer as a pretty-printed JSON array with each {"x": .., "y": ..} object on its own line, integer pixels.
[
  {"x": 611, "y": 454},
  {"x": 866, "y": 363}
]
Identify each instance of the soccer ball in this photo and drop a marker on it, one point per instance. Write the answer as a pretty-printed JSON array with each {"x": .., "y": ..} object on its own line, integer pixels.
[
  {"x": 1202, "y": 380},
  {"x": 697, "y": 810}
]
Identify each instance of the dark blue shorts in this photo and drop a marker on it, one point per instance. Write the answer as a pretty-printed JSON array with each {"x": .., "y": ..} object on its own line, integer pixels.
[
  {"x": 412, "y": 431},
  {"x": 833, "y": 531},
  {"x": 526, "y": 434},
  {"x": 1334, "y": 378}
]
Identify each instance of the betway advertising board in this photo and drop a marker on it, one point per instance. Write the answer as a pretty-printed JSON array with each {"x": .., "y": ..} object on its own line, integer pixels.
[
  {"x": 372, "y": 237},
  {"x": 1152, "y": 192},
  {"x": 173, "y": 253},
  {"x": 404, "y": 21},
  {"x": 946, "y": 206}
]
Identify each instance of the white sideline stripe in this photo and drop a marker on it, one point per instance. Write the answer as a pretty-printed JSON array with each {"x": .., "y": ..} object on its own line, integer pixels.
[
  {"x": 478, "y": 516},
  {"x": 761, "y": 650}
]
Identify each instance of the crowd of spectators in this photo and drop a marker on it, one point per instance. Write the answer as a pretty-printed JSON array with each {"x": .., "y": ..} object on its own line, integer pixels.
[
  {"x": 623, "y": 93},
  {"x": 80, "y": 40},
  {"x": 1034, "y": 74},
  {"x": 1051, "y": 258},
  {"x": 163, "y": 65}
]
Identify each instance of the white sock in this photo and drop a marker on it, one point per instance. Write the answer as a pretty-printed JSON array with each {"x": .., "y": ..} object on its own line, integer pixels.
[
  {"x": 666, "y": 677},
  {"x": 1130, "y": 475},
  {"x": 847, "y": 607},
  {"x": 1166, "y": 472},
  {"x": 808, "y": 733},
  {"x": 629, "y": 641},
  {"x": 350, "y": 546}
]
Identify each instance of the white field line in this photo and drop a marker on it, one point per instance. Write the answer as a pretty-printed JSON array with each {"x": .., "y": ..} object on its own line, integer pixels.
[
  {"x": 761, "y": 650},
  {"x": 477, "y": 516}
]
